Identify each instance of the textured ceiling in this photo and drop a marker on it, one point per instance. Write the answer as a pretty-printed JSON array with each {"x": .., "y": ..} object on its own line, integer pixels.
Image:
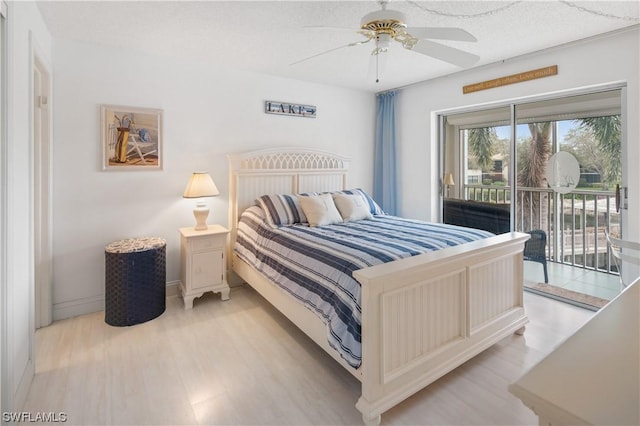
[{"x": 268, "y": 36}]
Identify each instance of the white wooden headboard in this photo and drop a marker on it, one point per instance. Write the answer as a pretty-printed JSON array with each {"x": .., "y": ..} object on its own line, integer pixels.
[{"x": 281, "y": 171}]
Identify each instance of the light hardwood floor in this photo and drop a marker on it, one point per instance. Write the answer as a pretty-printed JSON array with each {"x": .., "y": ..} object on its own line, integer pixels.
[{"x": 240, "y": 362}]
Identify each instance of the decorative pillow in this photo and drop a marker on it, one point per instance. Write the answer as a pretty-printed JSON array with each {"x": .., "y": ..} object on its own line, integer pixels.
[
  {"x": 374, "y": 208},
  {"x": 352, "y": 206},
  {"x": 282, "y": 209},
  {"x": 320, "y": 210}
]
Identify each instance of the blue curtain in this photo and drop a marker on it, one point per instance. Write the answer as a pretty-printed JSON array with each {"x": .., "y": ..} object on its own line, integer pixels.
[{"x": 384, "y": 170}]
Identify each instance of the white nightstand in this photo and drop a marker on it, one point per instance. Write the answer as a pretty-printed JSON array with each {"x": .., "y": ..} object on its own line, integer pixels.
[{"x": 202, "y": 263}]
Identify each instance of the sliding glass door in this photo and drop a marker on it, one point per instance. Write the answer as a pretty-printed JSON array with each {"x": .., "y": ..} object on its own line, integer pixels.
[
  {"x": 574, "y": 214},
  {"x": 551, "y": 167},
  {"x": 476, "y": 169}
]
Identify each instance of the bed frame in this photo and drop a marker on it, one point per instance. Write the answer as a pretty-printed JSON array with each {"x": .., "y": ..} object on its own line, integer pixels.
[{"x": 422, "y": 316}]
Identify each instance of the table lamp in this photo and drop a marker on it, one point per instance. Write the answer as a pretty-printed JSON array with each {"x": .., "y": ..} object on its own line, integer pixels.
[
  {"x": 448, "y": 181},
  {"x": 200, "y": 185}
]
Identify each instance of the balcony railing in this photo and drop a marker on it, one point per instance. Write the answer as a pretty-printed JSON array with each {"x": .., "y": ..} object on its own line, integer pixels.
[{"x": 575, "y": 223}]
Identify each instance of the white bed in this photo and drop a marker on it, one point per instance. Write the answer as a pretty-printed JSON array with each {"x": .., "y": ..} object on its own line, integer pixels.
[{"x": 405, "y": 346}]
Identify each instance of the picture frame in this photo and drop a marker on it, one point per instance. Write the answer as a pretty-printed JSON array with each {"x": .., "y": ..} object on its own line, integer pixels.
[{"x": 131, "y": 138}]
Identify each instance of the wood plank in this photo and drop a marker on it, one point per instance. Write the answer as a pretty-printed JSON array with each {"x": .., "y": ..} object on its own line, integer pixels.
[
  {"x": 511, "y": 79},
  {"x": 241, "y": 362}
]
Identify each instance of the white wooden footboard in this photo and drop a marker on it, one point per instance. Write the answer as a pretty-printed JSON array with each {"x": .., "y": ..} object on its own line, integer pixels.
[{"x": 423, "y": 316}]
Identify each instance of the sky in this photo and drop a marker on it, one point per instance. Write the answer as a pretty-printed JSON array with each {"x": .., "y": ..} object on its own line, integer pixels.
[{"x": 563, "y": 127}]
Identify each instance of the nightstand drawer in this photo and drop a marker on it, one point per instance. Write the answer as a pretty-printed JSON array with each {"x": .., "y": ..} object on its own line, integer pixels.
[{"x": 208, "y": 243}]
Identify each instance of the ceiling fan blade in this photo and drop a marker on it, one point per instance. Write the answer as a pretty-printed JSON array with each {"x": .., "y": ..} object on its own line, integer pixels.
[
  {"x": 443, "y": 33},
  {"x": 446, "y": 53},
  {"x": 355, "y": 43},
  {"x": 327, "y": 27}
]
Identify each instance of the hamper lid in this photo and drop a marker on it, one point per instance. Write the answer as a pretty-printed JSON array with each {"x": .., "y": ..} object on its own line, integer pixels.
[{"x": 131, "y": 245}]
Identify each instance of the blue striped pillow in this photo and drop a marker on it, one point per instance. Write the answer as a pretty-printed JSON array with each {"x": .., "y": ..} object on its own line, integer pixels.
[{"x": 282, "y": 209}]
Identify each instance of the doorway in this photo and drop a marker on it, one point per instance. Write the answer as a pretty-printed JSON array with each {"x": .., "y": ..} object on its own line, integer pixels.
[{"x": 494, "y": 164}]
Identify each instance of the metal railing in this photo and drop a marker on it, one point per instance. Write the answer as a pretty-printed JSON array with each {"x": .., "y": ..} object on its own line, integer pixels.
[
  {"x": 488, "y": 193},
  {"x": 575, "y": 223}
]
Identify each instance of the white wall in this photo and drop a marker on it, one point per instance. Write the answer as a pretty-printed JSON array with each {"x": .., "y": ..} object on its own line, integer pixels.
[
  {"x": 26, "y": 32},
  {"x": 609, "y": 58},
  {"x": 209, "y": 111}
]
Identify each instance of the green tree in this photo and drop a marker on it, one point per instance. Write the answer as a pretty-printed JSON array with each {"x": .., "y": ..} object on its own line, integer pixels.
[
  {"x": 607, "y": 132},
  {"x": 481, "y": 146},
  {"x": 580, "y": 143},
  {"x": 503, "y": 147}
]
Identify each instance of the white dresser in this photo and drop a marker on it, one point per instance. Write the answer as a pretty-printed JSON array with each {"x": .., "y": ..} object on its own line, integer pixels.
[{"x": 593, "y": 378}]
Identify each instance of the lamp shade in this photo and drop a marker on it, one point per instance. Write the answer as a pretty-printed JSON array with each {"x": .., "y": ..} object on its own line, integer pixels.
[
  {"x": 448, "y": 179},
  {"x": 200, "y": 185}
]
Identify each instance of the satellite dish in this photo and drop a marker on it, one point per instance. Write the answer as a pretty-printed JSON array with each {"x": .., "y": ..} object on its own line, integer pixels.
[{"x": 563, "y": 172}]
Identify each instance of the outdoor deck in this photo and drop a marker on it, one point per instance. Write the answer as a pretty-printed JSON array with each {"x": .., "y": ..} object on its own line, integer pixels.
[
  {"x": 600, "y": 285},
  {"x": 578, "y": 258}
]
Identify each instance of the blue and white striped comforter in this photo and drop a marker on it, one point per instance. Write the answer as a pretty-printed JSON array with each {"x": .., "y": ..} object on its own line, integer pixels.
[{"x": 315, "y": 265}]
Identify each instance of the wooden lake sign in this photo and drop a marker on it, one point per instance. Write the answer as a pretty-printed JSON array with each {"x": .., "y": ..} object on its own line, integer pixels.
[{"x": 511, "y": 79}]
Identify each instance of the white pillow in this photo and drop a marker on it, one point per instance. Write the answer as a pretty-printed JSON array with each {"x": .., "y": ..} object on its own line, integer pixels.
[
  {"x": 352, "y": 206},
  {"x": 320, "y": 210}
]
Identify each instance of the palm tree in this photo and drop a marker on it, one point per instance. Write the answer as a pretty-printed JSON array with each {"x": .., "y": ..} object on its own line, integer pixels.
[
  {"x": 531, "y": 174},
  {"x": 481, "y": 145},
  {"x": 534, "y": 155},
  {"x": 608, "y": 134}
]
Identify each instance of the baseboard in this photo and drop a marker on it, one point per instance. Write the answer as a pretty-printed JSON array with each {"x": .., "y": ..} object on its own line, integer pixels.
[
  {"x": 173, "y": 288},
  {"x": 77, "y": 307},
  {"x": 89, "y": 305}
]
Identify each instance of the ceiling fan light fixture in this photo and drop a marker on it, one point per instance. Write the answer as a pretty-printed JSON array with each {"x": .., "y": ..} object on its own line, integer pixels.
[
  {"x": 382, "y": 44},
  {"x": 383, "y": 26},
  {"x": 384, "y": 22},
  {"x": 407, "y": 40},
  {"x": 383, "y": 40}
]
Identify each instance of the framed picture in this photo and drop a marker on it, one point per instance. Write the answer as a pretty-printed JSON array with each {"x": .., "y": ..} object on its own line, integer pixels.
[{"x": 131, "y": 138}]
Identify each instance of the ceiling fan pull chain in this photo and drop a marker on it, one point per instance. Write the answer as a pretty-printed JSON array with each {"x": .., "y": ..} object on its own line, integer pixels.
[{"x": 377, "y": 53}]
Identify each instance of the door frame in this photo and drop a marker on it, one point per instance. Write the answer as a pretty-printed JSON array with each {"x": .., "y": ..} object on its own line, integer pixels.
[
  {"x": 512, "y": 104},
  {"x": 42, "y": 186},
  {"x": 5, "y": 390}
]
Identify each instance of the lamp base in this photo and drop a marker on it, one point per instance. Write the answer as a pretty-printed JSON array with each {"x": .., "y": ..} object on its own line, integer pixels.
[{"x": 201, "y": 212}]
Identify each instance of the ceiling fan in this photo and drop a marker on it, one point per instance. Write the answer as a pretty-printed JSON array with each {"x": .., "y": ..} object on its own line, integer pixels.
[{"x": 384, "y": 26}]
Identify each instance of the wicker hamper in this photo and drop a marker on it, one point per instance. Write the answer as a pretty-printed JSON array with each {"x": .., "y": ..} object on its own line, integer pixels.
[{"x": 135, "y": 280}]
